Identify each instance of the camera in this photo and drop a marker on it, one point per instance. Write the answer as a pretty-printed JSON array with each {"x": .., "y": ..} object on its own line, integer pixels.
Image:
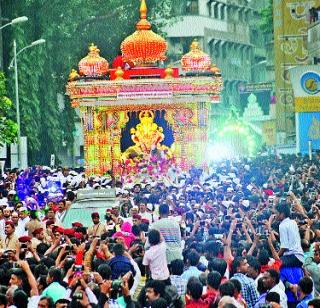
[
  {"x": 62, "y": 240},
  {"x": 78, "y": 268},
  {"x": 116, "y": 284},
  {"x": 264, "y": 235},
  {"x": 77, "y": 296},
  {"x": 5, "y": 256},
  {"x": 24, "y": 246},
  {"x": 107, "y": 216},
  {"x": 202, "y": 223}
]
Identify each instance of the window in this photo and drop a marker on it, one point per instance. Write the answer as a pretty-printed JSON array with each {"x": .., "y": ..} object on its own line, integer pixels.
[
  {"x": 192, "y": 7},
  {"x": 223, "y": 8}
]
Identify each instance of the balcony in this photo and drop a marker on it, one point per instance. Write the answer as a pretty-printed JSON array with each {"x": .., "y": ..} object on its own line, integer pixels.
[{"x": 195, "y": 26}]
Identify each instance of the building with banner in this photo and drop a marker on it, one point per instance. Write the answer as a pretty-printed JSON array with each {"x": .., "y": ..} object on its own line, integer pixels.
[
  {"x": 306, "y": 86},
  {"x": 291, "y": 21}
]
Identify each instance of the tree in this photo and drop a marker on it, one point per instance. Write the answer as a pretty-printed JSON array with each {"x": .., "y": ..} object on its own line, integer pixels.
[
  {"x": 8, "y": 128},
  {"x": 68, "y": 27},
  {"x": 266, "y": 22}
]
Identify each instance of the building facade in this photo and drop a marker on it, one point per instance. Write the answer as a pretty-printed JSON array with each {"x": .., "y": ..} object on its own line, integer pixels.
[
  {"x": 228, "y": 31},
  {"x": 305, "y": 81},
  {"x": 314, "y": 42},
  {"x": 291, "y": 21}
]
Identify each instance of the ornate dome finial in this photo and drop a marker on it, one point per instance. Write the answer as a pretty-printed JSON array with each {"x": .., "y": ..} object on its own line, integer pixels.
[
  {"x": 196, "y": 59},
  {"x": 73, "y": 75},
  {"x": 93, "y": 65},
  {"x": 143, "y": 9},
  {"x": 143, "y": 24},
  {"x": 143, "y": 47}
]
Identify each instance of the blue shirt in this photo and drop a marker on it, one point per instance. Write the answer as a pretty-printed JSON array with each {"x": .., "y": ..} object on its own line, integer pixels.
[
  {"x": 305, "y": 301},
  {"x": 120, "y": 265},
  {"x": 192, "y": 271},
  {"x": 292, "y": 275}
]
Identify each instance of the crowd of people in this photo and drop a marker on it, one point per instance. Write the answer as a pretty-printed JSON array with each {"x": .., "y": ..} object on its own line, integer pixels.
[{"x": 244, "y": 233}]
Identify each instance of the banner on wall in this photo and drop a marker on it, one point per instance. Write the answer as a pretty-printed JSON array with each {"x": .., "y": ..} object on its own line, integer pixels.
[
  {"x": 269, "y": 133},
  {"x": 308, "y": 130},
  {"x": 306, "y": 87}
]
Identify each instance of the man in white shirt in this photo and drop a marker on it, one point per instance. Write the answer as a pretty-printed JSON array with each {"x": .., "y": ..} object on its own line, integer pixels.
[
  {"x": 271, "y": 279},
  {"x": 23, "y": 219},
  {"x": 143, "y": 211},
  {"x": 290, "y": 252},
  {"x": 155, "y": 257}
]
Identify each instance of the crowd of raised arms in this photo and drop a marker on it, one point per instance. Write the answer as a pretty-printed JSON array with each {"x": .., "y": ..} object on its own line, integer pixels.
[{"x": 242, "y": 233}]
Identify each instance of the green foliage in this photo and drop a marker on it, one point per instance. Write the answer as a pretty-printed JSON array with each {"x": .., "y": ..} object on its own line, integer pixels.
[
  {"x": 8, "y": 128},
  {"x": 68, "y": 28},
  {"x": 266, "y": 22}
]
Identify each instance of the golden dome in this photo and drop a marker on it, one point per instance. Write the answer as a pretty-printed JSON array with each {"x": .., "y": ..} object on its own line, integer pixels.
[
  {"x": 143, "y": 46},
  {"x": 195, "y": 59},
  {"x": 93, "y": 65}
]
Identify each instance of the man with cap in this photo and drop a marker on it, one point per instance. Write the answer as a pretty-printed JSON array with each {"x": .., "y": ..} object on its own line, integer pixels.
[
  {"x": 23, "y": 218},
  {"x": 15, "y": 220},
  {"x": 115, "y": 211},
  {"x": 7, "y": 213},
  {"x": 77, "y": 224},
  {"x": 26, "y": 248},
  {"x": 136, "y": 219},
  {"x": 133, "y": 211},
  {"x": 98, "y": 228},
  {"x": 10, "y": 240}
]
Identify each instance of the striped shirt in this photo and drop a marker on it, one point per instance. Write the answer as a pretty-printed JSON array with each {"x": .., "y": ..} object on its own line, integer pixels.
[
  {"x": 179, "y": 283},
  {"x": 248, "y": 289},
  {"x": 170, "y": 230}
]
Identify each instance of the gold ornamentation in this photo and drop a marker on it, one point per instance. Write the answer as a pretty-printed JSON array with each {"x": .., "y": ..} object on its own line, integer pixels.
[
  {"x": 147, "y": 136},
  {"x": 119, "y": 73},
  {"x": 195, "y": 59},
  {"x": 73, "y": 75},
  {"x": 143, "y": 47},
  {"x": 168, "y": 73},
  {"x": 93, "y": 65}
]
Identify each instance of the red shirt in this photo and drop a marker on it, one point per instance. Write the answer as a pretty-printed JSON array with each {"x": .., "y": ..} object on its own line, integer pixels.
[
  {"x": 275, "y": 265},
  {"x": 191, "y": 303},
  {"x": 210, "y": 297}
]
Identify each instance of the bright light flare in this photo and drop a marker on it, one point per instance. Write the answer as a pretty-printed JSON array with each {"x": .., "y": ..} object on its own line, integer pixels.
[{"x": 219, "y": 151}]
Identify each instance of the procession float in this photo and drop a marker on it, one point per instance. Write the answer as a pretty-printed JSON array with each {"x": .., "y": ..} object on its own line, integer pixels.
[{"x": 141, "y": 116}]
